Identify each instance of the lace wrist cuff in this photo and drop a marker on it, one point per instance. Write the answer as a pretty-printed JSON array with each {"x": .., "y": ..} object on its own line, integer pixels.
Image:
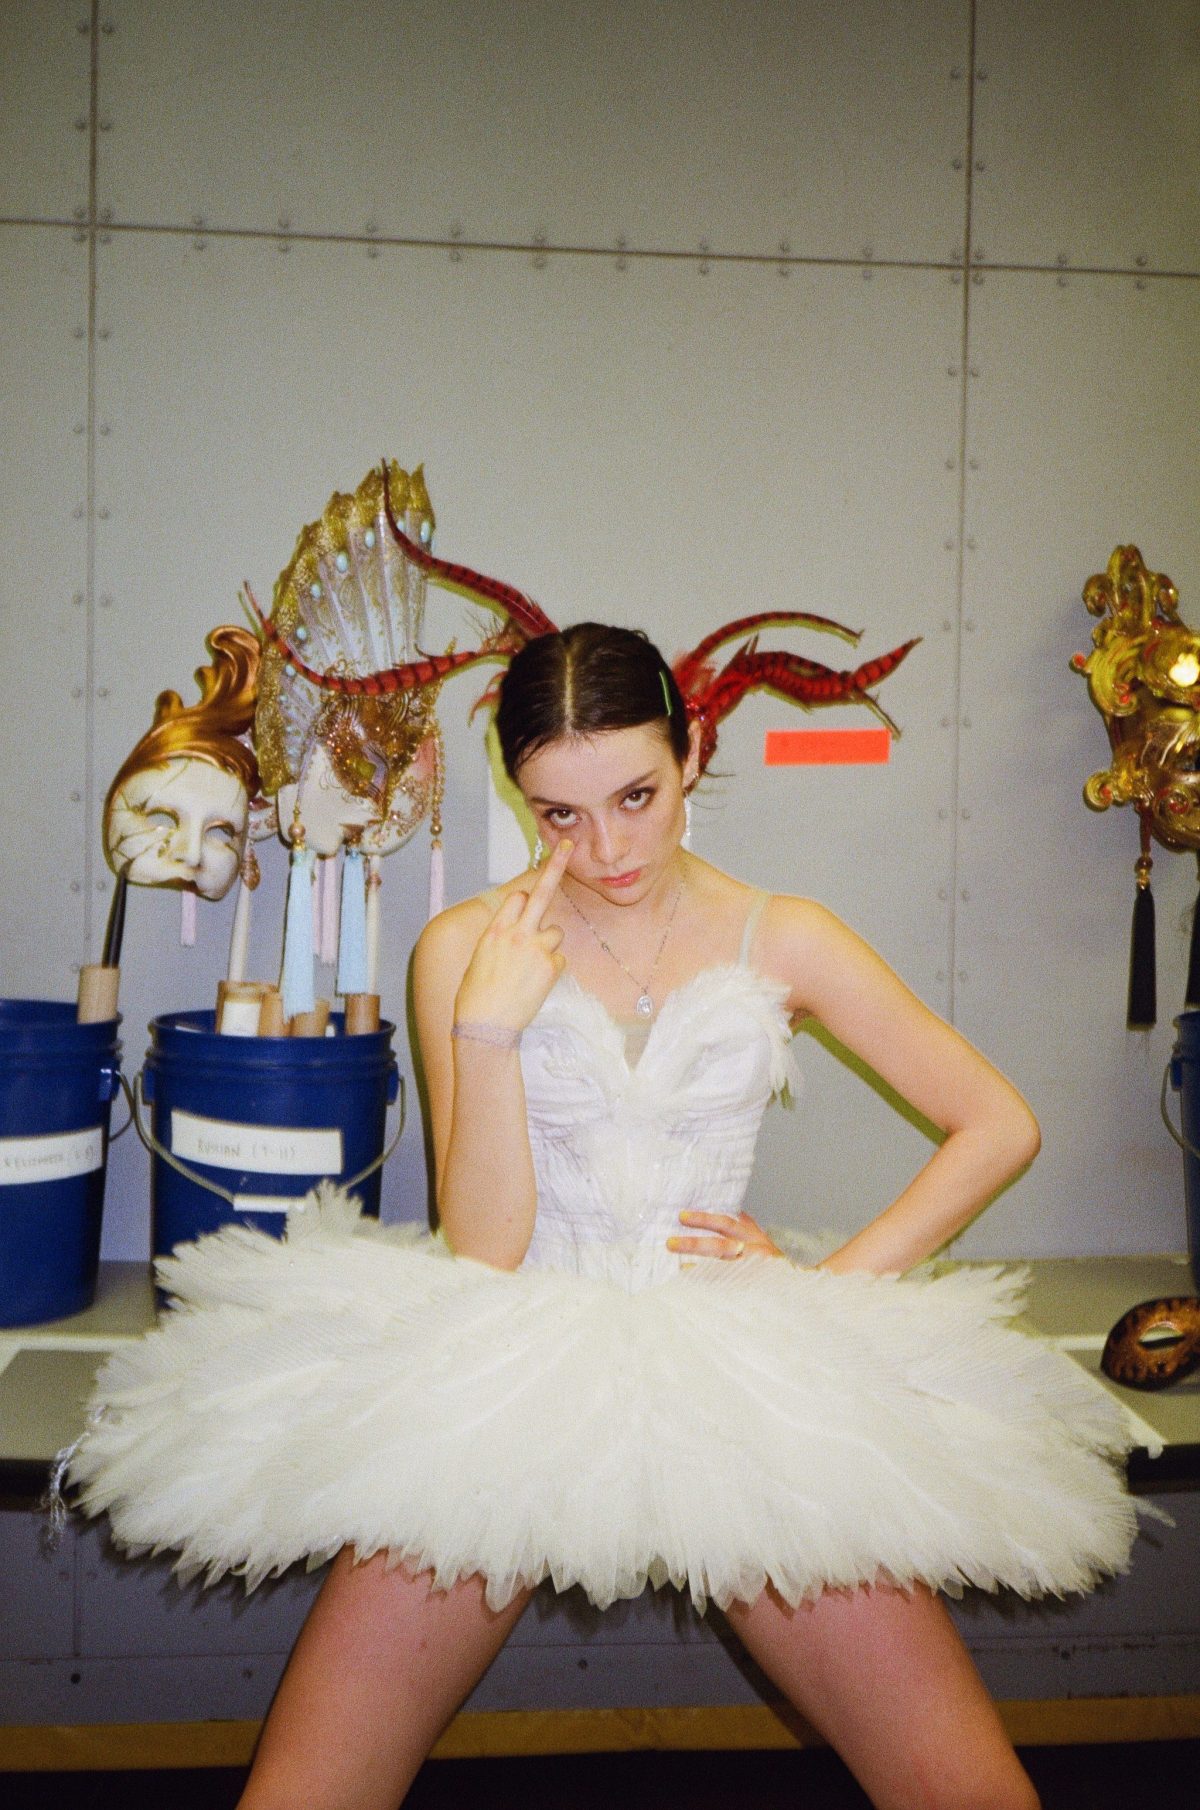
[{"x": 502, "y": 1036}]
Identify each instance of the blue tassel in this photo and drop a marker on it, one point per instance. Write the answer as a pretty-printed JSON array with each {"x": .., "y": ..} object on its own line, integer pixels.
[
  {"x": 297, "y": 981},
  {"x": 352, "y": 941}
]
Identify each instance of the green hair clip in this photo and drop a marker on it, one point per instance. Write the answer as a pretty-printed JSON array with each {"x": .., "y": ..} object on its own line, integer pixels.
[{"x": 666, "y": 690}]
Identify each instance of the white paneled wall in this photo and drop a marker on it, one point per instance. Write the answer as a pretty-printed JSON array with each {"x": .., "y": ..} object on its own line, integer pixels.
[{"x": 690, "y": 310}]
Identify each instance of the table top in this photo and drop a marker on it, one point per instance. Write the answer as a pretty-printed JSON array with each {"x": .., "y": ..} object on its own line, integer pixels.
[{"x": 46, "y": 1370}]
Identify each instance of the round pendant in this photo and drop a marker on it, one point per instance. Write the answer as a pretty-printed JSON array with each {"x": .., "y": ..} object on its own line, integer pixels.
[{"x": 645, "y": 1006}]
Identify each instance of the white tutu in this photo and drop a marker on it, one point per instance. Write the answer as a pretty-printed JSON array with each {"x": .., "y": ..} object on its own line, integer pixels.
[
  {"x": 605, "y": 1416},
  {"x": 730, "y": 1426}
]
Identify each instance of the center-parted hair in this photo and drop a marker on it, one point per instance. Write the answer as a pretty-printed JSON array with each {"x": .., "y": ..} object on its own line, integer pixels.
[{"x": 584, "y": 681}]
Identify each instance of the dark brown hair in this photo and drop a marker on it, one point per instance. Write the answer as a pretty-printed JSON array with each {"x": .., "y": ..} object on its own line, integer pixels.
[{"x": 582, "y": 681}]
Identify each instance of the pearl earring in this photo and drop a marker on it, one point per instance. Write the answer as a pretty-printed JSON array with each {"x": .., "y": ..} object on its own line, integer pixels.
[
  {"x": 687, "y": 820},
  {"x": 539, "y": 852}
]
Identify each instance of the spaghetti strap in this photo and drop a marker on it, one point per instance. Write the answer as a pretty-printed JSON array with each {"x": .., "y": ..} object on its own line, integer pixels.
[{"x": 751, "y": 925}]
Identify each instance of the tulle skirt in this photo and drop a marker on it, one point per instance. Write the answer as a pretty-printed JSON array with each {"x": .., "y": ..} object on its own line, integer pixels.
[{"x": 729, "y": 1426}]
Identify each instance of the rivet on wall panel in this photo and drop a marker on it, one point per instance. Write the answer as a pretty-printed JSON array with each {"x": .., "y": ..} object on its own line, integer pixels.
[
  {"x": 79, "y": 428},
  {"x": 199, "y": 222},
  {"x": 77, "y": 797},
  {"x": 962, "y": 974},
  {"x": 105, "y": 430},
  {"x": 973, "y": 464},
  {"x": 79, "y": 213},
  {"x": 105, "y": 216},
  {"x": 79, "y": 236},
  {"x": 108, "y": 28},
  {"x": 83, "y": 27},
  {"x": 1062, "y": 282},
  {"x": 372, "y": 227},
  {"x": 101, "y": 885},
  {"x": 372, "y": 250},
  {"x": 284, "y": 223},
  {"x": 867, "y": 273},
  {"x": 965, "y": 814},
  {"x": 77, "y": 692},
  {"x": 965, "y": 896},
  {"x": 956, "y": 163},
  {"x": 943, "y": 813},
  {"x": 106, "y": 600},
  {"x": 948, "y": 543},
  {"x": 77, "y": 600},
  {"x": 943, "y": 894},
  {"x": 981, "y": 75},
  {"x": 970, "y": 544},
  {"x": 1062, "y": 259},
  {"x": 956, "y": 75},
  {"x": 969, "y": 625},
  {"x": 102, "y": 691},
  {"x": 941, "y": 974},
  {"x": 76, "y": 885},
  {"x": 980, "y": 166},
  {"x": 78, "y": 513},
  {"x": 105, "y": 124},
  {"x": 977, "y": 278},
  {"x": 956, "y": 276},
  {"x": 106, "y": 238},
  {"x": 102, "y": 515},
  {"x": 974, "y": 371},
  {"x": 868, "y": 251},
  {"x": 81, "y": 123},
  {"x": 284, "y": 246},
  {"x": 1141, "y": 260},
  {"x": 945, "y": 725},
  {"x": 952, "y": 370},
  {"x": 950, "y": 464},
  {"x": 1140, "y": 283},
  {"x": 947, "y": 625}
]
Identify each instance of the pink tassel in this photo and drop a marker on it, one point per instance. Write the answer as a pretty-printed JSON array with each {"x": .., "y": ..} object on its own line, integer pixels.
[
  {"x": 437, "y": 880},
  {"x": 187, "y": 917},
  {"x": 326, "y": 929}
]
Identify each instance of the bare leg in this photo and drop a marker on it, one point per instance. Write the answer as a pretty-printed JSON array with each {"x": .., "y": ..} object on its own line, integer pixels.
[
  {"x": 884, "y": 1676},
  {"x": 381, "y": 1665}
]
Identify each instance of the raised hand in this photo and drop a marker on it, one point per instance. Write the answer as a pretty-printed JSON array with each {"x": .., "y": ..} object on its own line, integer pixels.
[
  {"x": 722, "y": 1235},
  {"x": 517, "y": 959}
]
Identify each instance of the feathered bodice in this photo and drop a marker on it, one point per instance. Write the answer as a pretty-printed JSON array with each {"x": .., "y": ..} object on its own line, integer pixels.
[{"x": 620, "y": 1148}]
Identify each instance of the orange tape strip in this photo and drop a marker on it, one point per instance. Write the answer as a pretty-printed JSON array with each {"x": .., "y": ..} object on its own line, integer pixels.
[{"x": 827, "y": 747}]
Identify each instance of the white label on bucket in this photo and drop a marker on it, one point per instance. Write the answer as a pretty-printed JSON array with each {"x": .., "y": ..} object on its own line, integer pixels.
[
  {"x": 50, "y": 1159},
  {"x": 267, "y": 1149}
]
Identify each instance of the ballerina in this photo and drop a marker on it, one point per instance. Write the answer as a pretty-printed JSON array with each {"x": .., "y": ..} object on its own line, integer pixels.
[{"x": 603, "y": 1371}]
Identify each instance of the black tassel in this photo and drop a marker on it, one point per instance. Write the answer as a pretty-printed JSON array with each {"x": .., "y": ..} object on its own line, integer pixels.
[
  {"x": 1192, "y": 996},
  {"x": 1143, "y": 1002}
]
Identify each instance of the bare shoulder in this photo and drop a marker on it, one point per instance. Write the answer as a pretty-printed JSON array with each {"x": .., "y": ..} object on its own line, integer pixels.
[
  {"x": 800, "y": 941},
  {"x": 446, "y": 944}
]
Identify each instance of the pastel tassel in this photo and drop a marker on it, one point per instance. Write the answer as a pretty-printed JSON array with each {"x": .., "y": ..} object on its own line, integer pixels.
[
  {"x": 437, "y": 880},
  {"x": 318, "y": 899},
  {"x": 187, "y": 917},
  {"x": 327, "y": 941},
  {"x": 296, "y": 982},
  {"x": 374, "y": 882},
  {"x": 352, "y": 942}
]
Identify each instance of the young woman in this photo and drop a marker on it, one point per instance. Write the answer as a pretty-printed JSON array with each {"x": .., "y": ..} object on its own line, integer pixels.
[{"x": 617, "y": 1378}]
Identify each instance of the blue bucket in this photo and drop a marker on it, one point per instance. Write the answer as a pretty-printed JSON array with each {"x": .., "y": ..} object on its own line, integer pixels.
[
  {"x": 242, "y": 1123},
  {"x": 57, "y": 1080},
  {"x": 1184, "y": 1071}
]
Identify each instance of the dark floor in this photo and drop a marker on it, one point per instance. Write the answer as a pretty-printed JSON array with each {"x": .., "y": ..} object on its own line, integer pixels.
[{"x": 1068, "y": 1778}]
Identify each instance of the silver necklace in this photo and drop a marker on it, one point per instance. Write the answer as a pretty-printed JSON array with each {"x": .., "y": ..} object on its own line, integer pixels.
[{"x": 645, "y": 1004}]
